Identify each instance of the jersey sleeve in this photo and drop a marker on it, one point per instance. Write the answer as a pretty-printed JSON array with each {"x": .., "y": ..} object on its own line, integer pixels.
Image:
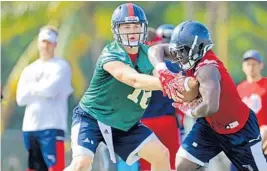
[
  {"x": 204, "y": 63},
  {"x": 106, "y": 57}
]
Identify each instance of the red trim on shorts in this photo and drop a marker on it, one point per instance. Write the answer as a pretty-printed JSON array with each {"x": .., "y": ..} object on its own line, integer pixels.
[
  {"x": 60, "y": 157},
  {"x": 165, "y": 128},
  {"x": 181, "y": 115}
]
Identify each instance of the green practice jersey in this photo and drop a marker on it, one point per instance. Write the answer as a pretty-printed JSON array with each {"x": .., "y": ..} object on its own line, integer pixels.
[{"x": 111, "y": 101}]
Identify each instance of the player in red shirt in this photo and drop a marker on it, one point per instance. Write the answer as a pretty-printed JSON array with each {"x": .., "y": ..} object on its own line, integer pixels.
[
  {"x": 253, "y": 90},
  {"x": 224, "y": 122}
]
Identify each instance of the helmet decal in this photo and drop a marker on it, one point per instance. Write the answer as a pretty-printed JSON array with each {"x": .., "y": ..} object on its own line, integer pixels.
[{"x": 130, "y": 9}]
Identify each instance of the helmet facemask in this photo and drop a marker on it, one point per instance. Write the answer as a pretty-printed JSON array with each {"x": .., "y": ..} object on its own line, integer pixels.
[
  {"x": 124, "y": 38},
  {"x": 181, "y": 56},
  {"x": 187, "y": 56}
]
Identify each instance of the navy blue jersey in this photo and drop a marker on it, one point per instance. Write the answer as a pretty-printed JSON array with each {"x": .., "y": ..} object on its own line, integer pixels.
[{"x": 160, "y": 105}]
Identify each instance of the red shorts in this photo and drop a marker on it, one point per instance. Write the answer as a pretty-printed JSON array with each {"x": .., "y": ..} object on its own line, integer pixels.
[{"x": 165, "y": 127}]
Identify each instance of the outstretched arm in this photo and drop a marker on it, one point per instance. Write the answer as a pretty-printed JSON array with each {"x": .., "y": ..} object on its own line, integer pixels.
[
  {"x": 131, "y": 77},
  {"x": 209, "y": 79}
]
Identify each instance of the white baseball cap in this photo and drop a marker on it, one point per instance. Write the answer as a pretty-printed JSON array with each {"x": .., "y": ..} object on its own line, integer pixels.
[{"x": 49, "y": 35}]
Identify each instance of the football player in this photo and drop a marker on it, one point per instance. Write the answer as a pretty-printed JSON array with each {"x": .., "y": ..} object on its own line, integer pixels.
[
  {"x": 164, "y": 31},
  {"x": 224, "y": 122},
  {"x": 160, "y": 115},
  {"x": 111, "y": 108}
]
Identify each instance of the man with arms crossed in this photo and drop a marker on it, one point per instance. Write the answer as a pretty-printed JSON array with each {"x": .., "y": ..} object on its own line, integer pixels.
[{"x": 44, "y": 88}]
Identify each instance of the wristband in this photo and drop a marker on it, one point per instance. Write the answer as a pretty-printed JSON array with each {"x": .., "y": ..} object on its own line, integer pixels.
[
  {"x": 186, "y": 84},
  {"x": 161, "y": 66}
]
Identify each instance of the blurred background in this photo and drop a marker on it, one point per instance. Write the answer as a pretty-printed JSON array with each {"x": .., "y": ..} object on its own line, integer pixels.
[{"x": 84, "y": 29}]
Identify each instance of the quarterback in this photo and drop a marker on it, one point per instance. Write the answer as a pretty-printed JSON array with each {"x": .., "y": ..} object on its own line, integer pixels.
[{"x": 111, "y": 108}]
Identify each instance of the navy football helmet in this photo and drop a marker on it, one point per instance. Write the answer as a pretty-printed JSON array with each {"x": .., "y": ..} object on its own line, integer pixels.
[
  {"x": 189, "y": 43},
  {"x": 129, "y": 13},
  {"x": 165, "y": 32}
]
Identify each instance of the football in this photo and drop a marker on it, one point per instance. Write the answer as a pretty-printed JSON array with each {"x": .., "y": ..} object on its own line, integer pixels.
[{"x": 191, "y": 89}]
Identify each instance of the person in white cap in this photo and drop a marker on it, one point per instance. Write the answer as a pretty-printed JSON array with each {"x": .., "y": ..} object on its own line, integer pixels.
[{"x": 44, "y": 87}]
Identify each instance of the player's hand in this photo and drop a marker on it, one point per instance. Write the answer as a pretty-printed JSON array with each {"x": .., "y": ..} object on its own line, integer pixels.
[
  {"x": 263, "y": 130},
  {"x": 187, "y": 107},
  {"x": 170, "y": 84},
  {"x": 179, "y": 97}
]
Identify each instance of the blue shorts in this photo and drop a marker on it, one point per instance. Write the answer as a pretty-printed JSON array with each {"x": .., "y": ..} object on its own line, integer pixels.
[
  {"x": 46, "y": 149},
  {"x": 86, "y": 136},
  {"x": 243, "y": 148}
]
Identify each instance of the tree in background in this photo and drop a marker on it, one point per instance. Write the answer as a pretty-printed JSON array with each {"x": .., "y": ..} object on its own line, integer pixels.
[{"x": 85, "y": 26}]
